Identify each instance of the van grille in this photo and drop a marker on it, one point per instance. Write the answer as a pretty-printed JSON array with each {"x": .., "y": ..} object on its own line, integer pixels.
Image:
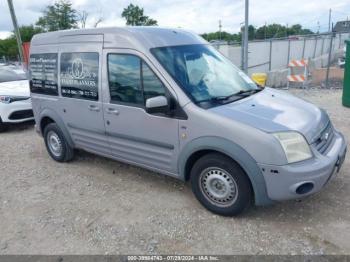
[{"x": 325, "y": 139}]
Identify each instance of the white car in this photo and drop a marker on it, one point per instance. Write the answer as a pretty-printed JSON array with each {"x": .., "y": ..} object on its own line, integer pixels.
[{"x": 15, "y": 102}]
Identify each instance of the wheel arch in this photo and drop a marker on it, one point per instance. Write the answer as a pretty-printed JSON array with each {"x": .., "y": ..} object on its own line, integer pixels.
[
  {"x": 201, "y": 146},
  {"x": 48, "y": 116}
]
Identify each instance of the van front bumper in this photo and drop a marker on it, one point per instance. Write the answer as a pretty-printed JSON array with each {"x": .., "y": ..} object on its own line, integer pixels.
[{"x": 307, "y": 177}]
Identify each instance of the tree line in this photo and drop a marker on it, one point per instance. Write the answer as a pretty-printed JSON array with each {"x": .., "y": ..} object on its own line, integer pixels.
[
  {"x": 61, "y": 15},
  {"x": 259, "y": 33}
]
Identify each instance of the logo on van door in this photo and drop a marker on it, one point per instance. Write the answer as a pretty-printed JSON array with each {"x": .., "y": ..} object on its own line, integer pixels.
[
  {"x": 79, "y": 75},
  {"x": 77, "y": 69}
]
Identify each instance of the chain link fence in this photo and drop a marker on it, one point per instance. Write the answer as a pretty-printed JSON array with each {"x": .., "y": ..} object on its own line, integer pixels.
[{"x": 272, "y": 56}]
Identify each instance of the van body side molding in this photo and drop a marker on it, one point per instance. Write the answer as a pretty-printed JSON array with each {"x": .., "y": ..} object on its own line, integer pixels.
[
  {"x": 127, "y": 137},
  {"x": 141, "y": 140},
  {"x": 96, "y": 131}
]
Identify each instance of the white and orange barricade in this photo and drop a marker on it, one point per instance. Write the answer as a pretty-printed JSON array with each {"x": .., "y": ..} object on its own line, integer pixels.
[{"x": 298, "y": 71}]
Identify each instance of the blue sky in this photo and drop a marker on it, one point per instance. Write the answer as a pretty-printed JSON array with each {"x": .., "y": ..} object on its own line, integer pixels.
[{"x": 197, "y": 15}]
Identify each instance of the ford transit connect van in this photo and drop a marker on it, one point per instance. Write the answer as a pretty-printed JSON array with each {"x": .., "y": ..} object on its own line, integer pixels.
[{"x": 167, "y": 101}]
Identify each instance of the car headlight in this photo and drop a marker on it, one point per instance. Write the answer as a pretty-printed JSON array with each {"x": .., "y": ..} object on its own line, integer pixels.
[
  {"x": 10, "y": 99},
  {"x": 294, "y": 145},
  {"x": 5, "y": 99}
]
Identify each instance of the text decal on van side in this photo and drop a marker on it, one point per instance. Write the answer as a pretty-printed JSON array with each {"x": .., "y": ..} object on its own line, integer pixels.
[
  {"x": 43, "y": 74},
  {"x": 79, "y": 75}
]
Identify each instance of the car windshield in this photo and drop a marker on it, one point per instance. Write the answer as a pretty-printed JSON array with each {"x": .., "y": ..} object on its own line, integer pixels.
[
  {"x": 8, "y": 74},
  {"x": 203, "y": 73}
]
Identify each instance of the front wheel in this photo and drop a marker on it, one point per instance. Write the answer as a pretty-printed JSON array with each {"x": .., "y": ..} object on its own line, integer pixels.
[
  {"x": 56, "y": 144},
  {"x": 221, "y": 185}
]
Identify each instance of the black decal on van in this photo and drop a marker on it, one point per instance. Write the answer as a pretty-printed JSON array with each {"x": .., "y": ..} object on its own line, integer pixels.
[
  {"x": 43, "y": 74},
  {"x": 79, "y": 75}
]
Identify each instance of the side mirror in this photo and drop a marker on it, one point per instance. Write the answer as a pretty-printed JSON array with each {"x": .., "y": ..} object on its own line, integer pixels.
[{"x": 158, "y": 104}]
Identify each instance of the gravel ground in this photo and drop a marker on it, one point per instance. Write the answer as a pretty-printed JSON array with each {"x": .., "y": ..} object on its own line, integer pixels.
[{"x": 97, "y": 206}]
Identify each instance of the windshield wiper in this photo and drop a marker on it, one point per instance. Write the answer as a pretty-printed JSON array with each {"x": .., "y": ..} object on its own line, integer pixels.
[
  {"x": 239, "y": 95},
  {"x": 248, "y": 92},
  {"x": 221, "y": 99}
]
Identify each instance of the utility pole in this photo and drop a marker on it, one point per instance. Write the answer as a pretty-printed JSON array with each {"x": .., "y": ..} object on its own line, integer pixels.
[
  {"x": 329, "y": 58},
  {"x": 265, "y": 30},
  {"x": 16, "y": 30},
  {"x": 242, "y": 46},
  {"x": 220, "y": 26},
  {"x": 246, "y": 25},
  {"x": 329, "y": 20}
]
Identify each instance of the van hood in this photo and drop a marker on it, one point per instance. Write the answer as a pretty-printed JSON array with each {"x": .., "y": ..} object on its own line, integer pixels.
[
  {"x": 15, "y": 88},
  {"x": 274, "y": 111}
]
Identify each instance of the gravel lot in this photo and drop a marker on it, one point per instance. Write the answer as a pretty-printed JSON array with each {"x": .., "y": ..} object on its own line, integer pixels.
[{"x": 97, "y": 206}]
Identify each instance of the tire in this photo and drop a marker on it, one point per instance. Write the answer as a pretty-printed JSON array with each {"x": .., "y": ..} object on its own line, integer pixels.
[
  {"x": 3, "y": 127},
  {"x": 56, "y": 144},
  {"x": 221, "y": 185}
]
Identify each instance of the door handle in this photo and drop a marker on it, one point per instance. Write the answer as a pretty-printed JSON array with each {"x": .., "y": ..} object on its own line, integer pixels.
[
  {"x": 112, "y": 111},
  {"x": 94, "y": 108}
]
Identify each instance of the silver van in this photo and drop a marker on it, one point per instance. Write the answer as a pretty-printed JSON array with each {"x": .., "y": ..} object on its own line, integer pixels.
[{"x": 166, "y": 100}]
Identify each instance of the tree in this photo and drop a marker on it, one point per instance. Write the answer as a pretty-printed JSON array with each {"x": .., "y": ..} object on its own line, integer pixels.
[
  {"x": 58, "y": 16},
  {"x": 27, "y": 32},
  {"x": 134, "y": 16},
  {"x": 251, "y": 32},
  {"x": 223, "y": 36},
  {"x": 82, "y": 17},
  {"x": 277, "y": 30},
  {"x": 8, "y": 46}
]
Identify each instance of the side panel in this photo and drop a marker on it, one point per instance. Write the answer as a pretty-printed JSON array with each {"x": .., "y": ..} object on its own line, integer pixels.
[
  {"x": 80, "y": 101},
  {"x": 137, "y": 137},
  {"x": 40, "y": 101}
]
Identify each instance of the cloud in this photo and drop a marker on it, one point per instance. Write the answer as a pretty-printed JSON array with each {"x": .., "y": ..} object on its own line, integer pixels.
[
  {"x": 4, "y": 34},
  {"x": 197, "y": 15}
]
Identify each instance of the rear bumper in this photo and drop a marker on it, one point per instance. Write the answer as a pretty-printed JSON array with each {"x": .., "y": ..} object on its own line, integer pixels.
[
  {"x": 307, "y": 177},
  {"x": 16, "y": 112}
]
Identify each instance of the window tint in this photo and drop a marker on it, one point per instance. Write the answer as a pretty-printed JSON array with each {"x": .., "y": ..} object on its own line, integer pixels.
[
  {"x": 132, "y": 80},
  {"x": 152, "y": 86},
  {"x": 125, "y": 79},
  {"x": 43, "y": 74},
  {"x": 79, "y": 75}
]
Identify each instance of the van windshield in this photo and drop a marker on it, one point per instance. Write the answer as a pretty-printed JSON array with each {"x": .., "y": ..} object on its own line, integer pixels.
[{"x": 204, "y": 74}]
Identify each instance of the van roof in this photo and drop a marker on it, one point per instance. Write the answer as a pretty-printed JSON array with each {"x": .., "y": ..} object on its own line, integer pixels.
[{"x": 138, "y": 37}]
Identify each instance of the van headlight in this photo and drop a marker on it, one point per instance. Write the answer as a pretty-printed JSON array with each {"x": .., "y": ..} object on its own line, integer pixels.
[{"x": 294, "y": 145}]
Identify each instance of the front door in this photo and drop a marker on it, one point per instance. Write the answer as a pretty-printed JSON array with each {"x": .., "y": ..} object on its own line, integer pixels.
[
  {"x": 134, "y": 135},
  {"x": 81, "y": 99}
]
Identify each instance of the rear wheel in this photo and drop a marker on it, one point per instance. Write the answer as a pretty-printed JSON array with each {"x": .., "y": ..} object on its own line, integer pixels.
[
  {"x": 56, "y": 144},
  {"x": 221, "y": 185}
]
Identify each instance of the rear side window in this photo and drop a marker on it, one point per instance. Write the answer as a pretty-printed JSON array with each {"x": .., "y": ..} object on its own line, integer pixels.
[
  {"x": 79, "y": 75},
  {"x": 43, "y": 74},
  {"x": 131, "y": 80}
]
